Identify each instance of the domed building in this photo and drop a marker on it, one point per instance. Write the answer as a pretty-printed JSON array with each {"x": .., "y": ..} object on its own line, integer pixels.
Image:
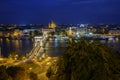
[{"x": 52, "y": 25}]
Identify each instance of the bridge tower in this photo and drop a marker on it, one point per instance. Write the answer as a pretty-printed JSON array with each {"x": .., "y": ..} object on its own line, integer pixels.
[
  {"x": 38, "y": 40},
  {"x": 45, "y": 34}
]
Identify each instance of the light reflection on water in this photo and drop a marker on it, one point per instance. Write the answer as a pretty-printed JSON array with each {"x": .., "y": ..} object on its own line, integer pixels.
[
  {"x": 21, "y": 47},
  {"x": 53, "y": 48},
  {"x": 115, "y": 44}
]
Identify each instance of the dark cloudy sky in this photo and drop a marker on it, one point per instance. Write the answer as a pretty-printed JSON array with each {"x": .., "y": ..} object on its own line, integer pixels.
[{"x": 60, "y": 11}]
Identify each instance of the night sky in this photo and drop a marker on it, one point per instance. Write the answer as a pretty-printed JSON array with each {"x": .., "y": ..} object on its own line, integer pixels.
[{"x": 60, "y": 11}]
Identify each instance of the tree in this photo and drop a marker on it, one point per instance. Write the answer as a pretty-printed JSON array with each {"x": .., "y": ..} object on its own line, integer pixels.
[
  {"x": 63, "y": 33},
  {"x": 17, "y": 73},
  {"x": 84, "y": 60},
  {"x": 36, "y": 33},
  {"x": 3, "y": 74},
  {"x": 31, "y": 33},
  {"x": 52, "y": 33},
  {"x": 33, "y": 76}
]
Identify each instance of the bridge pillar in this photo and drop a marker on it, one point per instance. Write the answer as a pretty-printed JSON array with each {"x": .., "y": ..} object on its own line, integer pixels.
[
  {"x": 38, "y": 40},
  {"x": 45, "y": 34}
]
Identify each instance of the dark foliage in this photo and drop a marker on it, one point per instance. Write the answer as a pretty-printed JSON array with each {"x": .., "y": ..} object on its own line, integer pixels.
[{"x": 85, "y": 60}]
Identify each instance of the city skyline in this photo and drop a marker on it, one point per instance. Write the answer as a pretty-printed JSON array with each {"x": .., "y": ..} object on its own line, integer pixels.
[{"x": 60, "y": 11}]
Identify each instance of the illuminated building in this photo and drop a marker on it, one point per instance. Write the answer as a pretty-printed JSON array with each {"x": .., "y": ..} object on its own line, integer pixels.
[
  {"x": 48, "y": 30},
  {"x": 1, "y": 33},
  {"x": 70, "y": 32},
  {"x": 17, "y": 33},
  {"x": 114, "y": 32},
  {"x": 52, "y": 25},
  {"x": 82, "y": 25}
]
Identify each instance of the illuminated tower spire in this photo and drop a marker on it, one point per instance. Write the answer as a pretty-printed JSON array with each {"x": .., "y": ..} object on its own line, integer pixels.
[{"x": 70, "y": 33}]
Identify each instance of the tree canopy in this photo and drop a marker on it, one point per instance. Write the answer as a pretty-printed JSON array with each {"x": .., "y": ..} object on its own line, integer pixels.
[
  {"x": 85, "y": 60},
  {"x": 14, "y": 73}
]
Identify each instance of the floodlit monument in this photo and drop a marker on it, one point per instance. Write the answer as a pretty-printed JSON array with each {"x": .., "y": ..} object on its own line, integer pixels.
[
  {"x": 70, "y": 32},
  {"x": 52, "y": 25}
]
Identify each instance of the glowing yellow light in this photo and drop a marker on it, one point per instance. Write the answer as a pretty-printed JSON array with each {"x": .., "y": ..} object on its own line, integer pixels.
[
  {"x": 15, "y": 34},
  {"x": 30, "y": 68},
  {"x": 1, "y": 59},
  {"x": 52, "y": 25}
]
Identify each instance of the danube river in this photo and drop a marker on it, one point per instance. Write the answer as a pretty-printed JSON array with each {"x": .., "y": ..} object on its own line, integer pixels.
[
  {"x": 53, "y": 48},
  {"x": 23, "y": 47}
]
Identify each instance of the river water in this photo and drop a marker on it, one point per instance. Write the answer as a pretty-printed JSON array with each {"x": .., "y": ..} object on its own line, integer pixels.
[{"x": 23, "y": 47}]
